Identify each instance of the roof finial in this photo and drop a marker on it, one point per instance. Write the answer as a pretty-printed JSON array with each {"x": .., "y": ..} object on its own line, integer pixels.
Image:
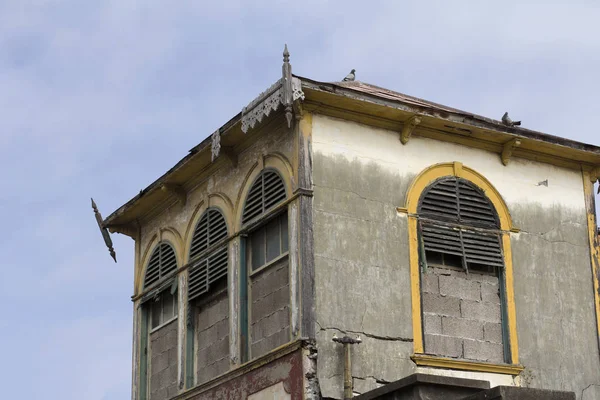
[{"x": 286, "y": 54}]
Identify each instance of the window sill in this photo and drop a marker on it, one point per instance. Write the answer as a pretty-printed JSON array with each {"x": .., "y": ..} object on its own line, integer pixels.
[
  {"x": 270, "y": 264},
  {"x": 425, "y": 360},
  {"x": 163, "y": 324}
]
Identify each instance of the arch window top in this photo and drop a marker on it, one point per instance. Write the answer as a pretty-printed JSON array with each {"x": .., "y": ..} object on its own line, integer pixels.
[
  {"x": 211, "y": 229},
  {"x": 457, "y": 226},
  {"x": 163, "y": 262},
  {"x": 209, "y": 264},
  {"x": 266, "y": 192},
  {"x": 456, "y": 200}
]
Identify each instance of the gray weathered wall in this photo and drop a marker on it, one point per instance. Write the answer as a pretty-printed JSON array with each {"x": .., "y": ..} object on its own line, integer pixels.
[
  {"x": 269, "y": 311},
  {"x": 212, "y": 338},
  {"x": 461, "y": 315},
  {"x": 163, "y": 362},
  {"x": 361, "y": 174}
]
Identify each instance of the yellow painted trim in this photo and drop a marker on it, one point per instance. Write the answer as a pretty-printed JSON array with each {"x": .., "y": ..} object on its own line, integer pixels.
[
  {"x": 588, "y": 189},
  {"x": 425, "y": 360},
  {"x": 422, "y": 181}
]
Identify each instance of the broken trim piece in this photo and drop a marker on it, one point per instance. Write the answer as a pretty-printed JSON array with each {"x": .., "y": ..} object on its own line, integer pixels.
[{"x": 425, "y": 360}]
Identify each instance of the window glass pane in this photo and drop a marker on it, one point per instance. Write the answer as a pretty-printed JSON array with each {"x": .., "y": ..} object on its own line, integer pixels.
[
  {"x": 167, "y": 305},
  {"x": 284, "y": 232},
  {"x": 257, "y": 245},
  {"x": 273, "y": 238},
  {"x": 156, "y": 309}
]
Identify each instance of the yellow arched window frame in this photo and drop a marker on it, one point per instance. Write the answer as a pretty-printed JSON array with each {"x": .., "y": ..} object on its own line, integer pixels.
[{"x": 422, "y": 181}]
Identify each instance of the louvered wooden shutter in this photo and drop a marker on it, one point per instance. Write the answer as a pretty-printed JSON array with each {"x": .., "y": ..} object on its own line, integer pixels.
[
  {"x": 267, "y": 191},
  {"x": 162, "y": 262},
  {"x": 211, "y": 229},
  {"x": 447, "y": 209}
]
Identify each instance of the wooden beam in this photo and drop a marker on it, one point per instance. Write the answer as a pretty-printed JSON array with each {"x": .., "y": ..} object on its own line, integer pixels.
[
  {"x": 507, "y": 150},
  {"x": 408, "y": 128}
]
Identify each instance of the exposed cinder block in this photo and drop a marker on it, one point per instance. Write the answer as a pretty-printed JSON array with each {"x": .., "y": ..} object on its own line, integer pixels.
[
  {"x": 462, "y": 328},
  {"x": 490, "y": 292},
  {"x": 436, "y": 304},
  {"x": 212, "y": 340},
  {"x": 432, "y": 323},
  {"x": 271, "y": 324},
  {"x": 443, "y": 345},
  {"x": 163, "y": 361},
  {"x": 270, "y": 280},
  {"x": 262, "y": 306},
  {"x": 487, "y": 278},
  {"x": 483, "y": 351},
  {"x": 269, "y": 343},
  {"x": 430, "y": 283},
  {"x": 492, "y": 332},
  {"x": 461, "y": 288},
  {"x": 482, "y": 311}
]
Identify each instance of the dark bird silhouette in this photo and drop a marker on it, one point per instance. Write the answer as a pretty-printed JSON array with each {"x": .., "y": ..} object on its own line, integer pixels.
[
  {"x": 350, "y": 77},
  {"x": 509, "y": 122}
]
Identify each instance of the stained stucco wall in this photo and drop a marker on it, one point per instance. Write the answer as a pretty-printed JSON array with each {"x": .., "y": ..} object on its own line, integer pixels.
[{"x": 361, "y": 174}]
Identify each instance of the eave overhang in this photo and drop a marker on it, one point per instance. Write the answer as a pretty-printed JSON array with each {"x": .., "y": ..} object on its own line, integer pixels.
[{"x": 362, "y": 103}]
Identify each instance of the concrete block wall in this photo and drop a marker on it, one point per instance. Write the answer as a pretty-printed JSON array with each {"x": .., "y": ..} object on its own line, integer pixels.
[
  {"x": 462, "y": 315},
  {"x": 269, "y": 310},
  {"x": 212, "y": 338},
  {"x": 163, "y": 362}
]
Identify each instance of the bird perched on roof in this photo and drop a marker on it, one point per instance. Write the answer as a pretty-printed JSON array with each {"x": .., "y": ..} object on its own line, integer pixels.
[
  {"x": 509, "y": 122},
  {"x": 350, "y": 77}
]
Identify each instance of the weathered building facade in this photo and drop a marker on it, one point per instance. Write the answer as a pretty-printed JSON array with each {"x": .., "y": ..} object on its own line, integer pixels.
[{"x": 451, "y": 244}]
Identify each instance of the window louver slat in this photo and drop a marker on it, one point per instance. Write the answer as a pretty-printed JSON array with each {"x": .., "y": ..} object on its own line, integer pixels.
[
  {"x": 162, "y": 262},
  {"x": 442, "y": 240},
  {"x": 211, "y": 229},
  {"x": 198, "y": 281},
  {"x": 458, "y": 201},
  {"x": 267, "y": 191}
]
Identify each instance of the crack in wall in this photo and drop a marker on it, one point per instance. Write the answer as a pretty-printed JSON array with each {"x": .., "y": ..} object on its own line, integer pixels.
[
  {"x": 366, "y": 334},
  {"x": 587, "y": 387}
]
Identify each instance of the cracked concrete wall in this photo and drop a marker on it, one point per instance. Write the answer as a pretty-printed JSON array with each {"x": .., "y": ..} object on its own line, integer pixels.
[
  {"x": 163, "y": 362},
  {"x": 361, "y": 174}
]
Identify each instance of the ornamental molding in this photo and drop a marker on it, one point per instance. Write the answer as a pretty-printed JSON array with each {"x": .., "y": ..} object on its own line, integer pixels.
[{"x": 285, "y": 92}]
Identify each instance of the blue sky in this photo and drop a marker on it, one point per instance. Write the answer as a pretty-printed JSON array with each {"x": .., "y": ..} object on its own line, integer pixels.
[{"x": 99, "y": 98}]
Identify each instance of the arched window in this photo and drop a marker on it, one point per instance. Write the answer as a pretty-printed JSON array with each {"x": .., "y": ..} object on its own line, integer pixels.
[
  {"x": 462, "y": 277},
  {"x": 265, "y": 267},
  {"x": 270, "y": 240},
  {"x": 208, "y": 253},
  {"x": 208, "y": 320},
  {"x": 159, "y": 329},
  {"x": 162, "y": 262},
  {"x": 267, "y": 191}
]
